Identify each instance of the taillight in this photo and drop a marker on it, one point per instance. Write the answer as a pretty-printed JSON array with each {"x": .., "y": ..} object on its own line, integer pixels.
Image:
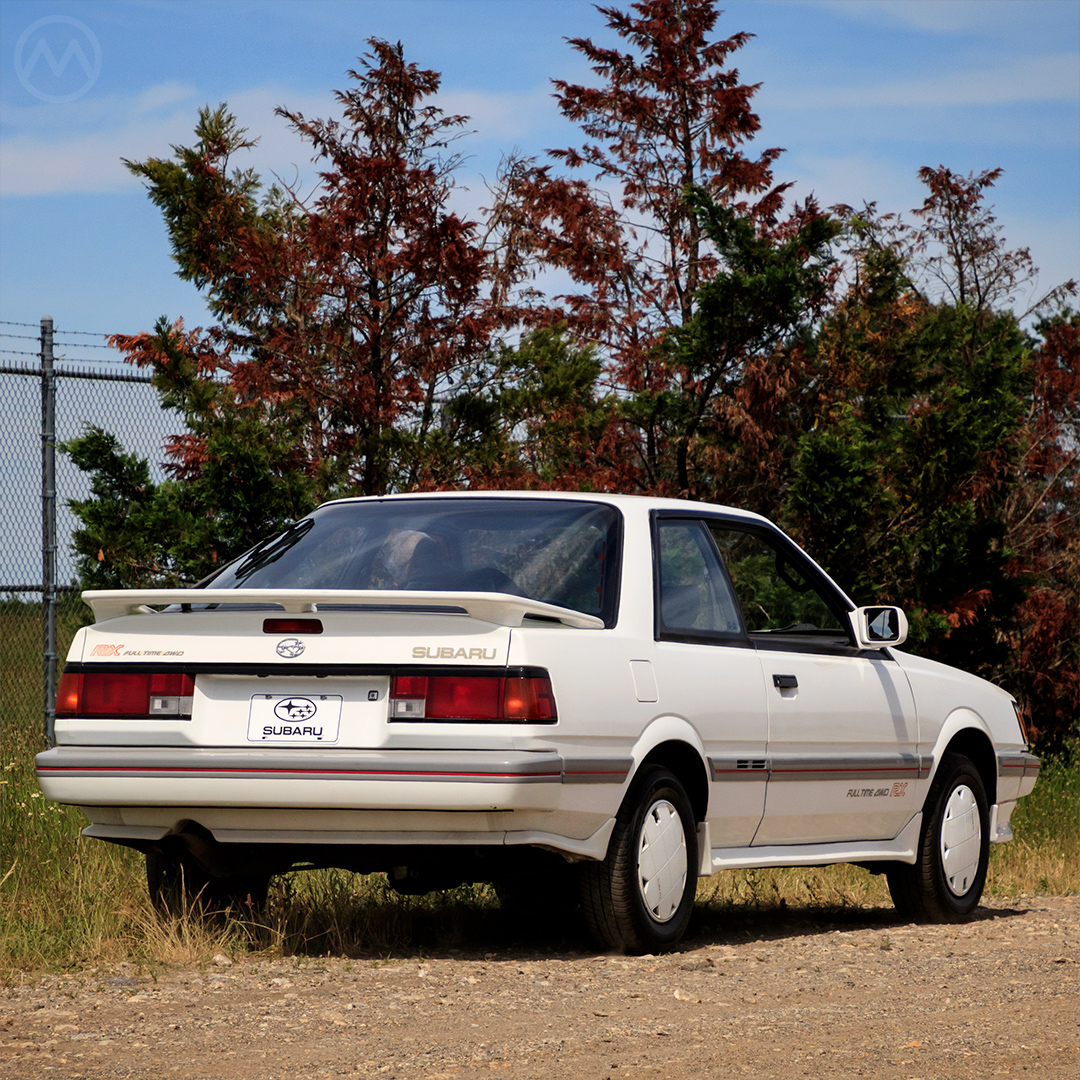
[
  {"x": 1024, "y": 730},
  {"x": 524, "y": 699},
  {"x": 146, "y": 695}
]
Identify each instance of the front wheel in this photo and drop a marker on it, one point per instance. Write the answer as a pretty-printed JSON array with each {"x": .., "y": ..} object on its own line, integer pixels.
[
  {"x": 947, "y": 879},
  {"x": 639, "y": 899}
]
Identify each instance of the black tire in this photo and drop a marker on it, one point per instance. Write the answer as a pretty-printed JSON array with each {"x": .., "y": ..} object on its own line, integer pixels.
[
  {"x": 946, "y": 881},
  {"x": 179, "y": 885},
  {"x": 636, "y": 908}
]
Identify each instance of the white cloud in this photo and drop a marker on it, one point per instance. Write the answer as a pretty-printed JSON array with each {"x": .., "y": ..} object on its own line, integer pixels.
[
  {"x": 88, "y": 164},
  {"x": 935, "y": 16},
  {"x": 165, "y": 94},
  {"x": 1048, "y": 78},
  {"x": 500, "y": 116},
  {"x": 851, "y": 179},
  {"x": 78, "y": 150}
]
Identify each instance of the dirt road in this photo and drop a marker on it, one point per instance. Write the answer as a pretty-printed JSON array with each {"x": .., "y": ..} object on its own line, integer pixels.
[{"x": 764, "y": 995}]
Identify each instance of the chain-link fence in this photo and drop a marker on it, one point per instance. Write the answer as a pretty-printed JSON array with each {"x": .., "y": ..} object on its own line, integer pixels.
[{"x": 46, "y": 401}]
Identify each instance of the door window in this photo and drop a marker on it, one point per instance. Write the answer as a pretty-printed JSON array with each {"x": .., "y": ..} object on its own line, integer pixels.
[
  {"x": 695, "y": 600},
  {"x": 776, "y": 591}
]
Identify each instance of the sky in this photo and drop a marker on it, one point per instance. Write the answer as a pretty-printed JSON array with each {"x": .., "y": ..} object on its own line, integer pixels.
[{"x": 859, "y": 93}]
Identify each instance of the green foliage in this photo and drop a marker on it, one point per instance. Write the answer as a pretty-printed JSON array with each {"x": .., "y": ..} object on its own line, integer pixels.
[
  {"x": 539, "y": 420},
  {"x": 117, "y": 545},
  {"x": 247, "y": 485},
  {"x": 738, "y": 353},
  {"x": 901, "y": 489},
  {"x": 206, "y": 209}
]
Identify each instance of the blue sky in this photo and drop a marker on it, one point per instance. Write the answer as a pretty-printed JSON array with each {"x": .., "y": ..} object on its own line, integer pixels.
[{"x": 861, "y": 94}]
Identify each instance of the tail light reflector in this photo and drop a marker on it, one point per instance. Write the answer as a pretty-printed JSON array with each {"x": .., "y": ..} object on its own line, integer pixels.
[
  {"x": 1025, "y": 730},
  {"x": 526, "y": 699},
  {"x": 144, "y": 695}
]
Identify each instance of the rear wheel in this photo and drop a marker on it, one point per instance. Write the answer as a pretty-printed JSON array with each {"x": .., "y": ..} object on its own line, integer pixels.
[
  {"x": 946, "y": 881},
  {"x": 179, "y": 885},
  {"x": 639, "y": 899}
]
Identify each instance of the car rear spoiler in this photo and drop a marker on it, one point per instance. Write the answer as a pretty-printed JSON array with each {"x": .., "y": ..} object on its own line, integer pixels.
[{"x": 502, "y": 609}]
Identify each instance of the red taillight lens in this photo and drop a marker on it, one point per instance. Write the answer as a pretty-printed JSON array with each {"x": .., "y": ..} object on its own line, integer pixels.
[
  {"x": 528, "y": 699},
  {"x": 523, "y": 699},
  {"x": 69, "y": 694},
  {"x": 1022, "y": 721},
  {"x": 125, "y": 693}
]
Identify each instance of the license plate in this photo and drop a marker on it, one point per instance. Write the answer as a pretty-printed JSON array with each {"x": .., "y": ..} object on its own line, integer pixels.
[{"x": 294, "y": 718}]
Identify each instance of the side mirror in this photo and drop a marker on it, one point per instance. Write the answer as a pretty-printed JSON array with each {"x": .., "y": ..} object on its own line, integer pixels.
[{"x": 876, "y": 627}]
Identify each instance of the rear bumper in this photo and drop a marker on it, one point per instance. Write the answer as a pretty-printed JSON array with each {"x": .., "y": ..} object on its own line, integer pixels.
[
  {"x": 1017, "y": 772},
  {"x": 383, "y": 780}
]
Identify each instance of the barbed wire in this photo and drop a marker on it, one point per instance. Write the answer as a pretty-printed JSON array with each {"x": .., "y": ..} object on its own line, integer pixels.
[
  {"x": 37, "y": 337},
  {"x": 56, "y": 329},
  {"x": 60, "y": 347},
  {"x": 91, "y": 360}
]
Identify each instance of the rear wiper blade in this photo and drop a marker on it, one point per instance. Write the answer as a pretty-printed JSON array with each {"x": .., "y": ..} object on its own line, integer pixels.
[{"x": 272, "y": 548}]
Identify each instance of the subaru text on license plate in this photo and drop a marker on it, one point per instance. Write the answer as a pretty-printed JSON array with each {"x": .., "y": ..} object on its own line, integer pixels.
[{"x": 294, "y": 718}]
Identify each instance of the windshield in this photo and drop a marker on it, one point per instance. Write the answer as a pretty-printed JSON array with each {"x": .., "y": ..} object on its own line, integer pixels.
[{"x": 560, "y": 552}]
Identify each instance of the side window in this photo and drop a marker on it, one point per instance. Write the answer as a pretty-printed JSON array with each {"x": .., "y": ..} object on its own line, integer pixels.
[
  {"x": 775, "y": 595},
  {"x": 693, "y": 595}
]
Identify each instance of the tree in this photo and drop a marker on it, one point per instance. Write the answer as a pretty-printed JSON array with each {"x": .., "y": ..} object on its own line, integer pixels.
[
  {"x": 1043, "y": 534},
  {"x": 937, "y": 468},
  {"x": 739, "y": 362},
  {"x": 354, "y": 309},
  {"x": 669, "y": 117},
  {"x": 235, "y": 478},
  {"x": 541, "y": 420},
  {"x": 117, "y": 545},
  {"x": 959, "y": 248}
]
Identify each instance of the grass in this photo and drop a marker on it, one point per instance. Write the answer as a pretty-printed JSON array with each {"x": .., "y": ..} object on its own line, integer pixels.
[{"x": 68, "y": 903}]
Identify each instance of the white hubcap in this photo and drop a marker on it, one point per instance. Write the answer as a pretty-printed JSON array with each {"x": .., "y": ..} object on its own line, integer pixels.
[
  {"x": 961, "y": 840},
  {"x": 662, "y": 860}
]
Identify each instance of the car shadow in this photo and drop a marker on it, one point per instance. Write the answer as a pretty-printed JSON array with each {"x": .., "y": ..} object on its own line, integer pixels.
[
  {"x": 734, "y": 925},
  {"x": 490, "y": 933}
]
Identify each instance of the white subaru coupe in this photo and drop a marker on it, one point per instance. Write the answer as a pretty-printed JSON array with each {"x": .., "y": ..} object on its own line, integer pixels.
[{"x": 582, "y": 698}]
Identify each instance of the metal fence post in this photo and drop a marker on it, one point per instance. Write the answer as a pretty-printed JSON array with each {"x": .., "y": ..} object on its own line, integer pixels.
[{"x": 48, "y": 524}]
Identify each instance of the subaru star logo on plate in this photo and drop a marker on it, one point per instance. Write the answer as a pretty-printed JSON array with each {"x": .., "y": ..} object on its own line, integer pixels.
[
  {"x": 295, "y": 710},
  {"x": 290, "y": 648}
]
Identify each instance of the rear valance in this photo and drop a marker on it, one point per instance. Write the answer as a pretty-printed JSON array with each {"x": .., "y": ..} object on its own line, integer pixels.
[{"x": 502, "y": 609}]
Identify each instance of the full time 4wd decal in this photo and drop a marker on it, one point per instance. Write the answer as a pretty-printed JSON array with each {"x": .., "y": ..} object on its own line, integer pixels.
[
  {"x": 897, "y": 791},
  {"x": 119, "y": 650}
]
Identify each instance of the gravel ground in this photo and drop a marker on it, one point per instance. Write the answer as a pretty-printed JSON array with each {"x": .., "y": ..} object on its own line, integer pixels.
[{"x": 777, "y": 994}]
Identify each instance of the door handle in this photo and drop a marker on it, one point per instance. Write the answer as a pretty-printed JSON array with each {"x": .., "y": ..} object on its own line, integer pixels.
[{"x": 785, "y": 682}]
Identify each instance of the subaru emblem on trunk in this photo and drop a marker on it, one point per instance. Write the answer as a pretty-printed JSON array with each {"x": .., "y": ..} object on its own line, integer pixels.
[{"x": 290, "y": 648}]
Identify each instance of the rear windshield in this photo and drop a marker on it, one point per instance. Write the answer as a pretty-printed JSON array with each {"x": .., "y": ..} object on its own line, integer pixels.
[{"x": 560, "y": 552}]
